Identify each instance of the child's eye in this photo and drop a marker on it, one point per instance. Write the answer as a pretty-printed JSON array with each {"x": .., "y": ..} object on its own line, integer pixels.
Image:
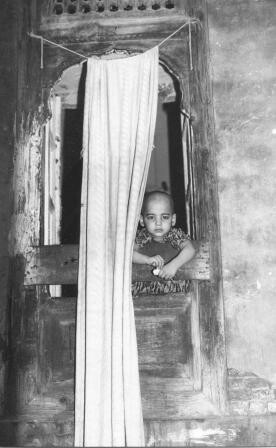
[
  {"x": 166, "y": 217},
  {"x": 150, "y": 217}
]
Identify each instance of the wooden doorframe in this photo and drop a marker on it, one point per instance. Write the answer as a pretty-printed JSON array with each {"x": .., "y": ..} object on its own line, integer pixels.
[
  {"x": 210, "y": 295},
  {"x": 197, "y": 101},
  {"x": 207, "y": 305}
]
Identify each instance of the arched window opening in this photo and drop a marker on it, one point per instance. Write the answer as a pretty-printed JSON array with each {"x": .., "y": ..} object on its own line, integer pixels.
[{"x": 167, "y": 168}]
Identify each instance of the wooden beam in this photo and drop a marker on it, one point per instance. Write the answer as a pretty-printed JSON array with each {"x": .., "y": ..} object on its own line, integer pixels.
[
  {"x": 197, "y": 269},
  {"x": 52, "y": 265},
  {"x": 58, "y": 265},
  {"x": 77, "y": 28}
]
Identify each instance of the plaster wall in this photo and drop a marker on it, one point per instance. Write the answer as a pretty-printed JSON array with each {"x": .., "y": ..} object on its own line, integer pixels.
[{"x": 243, "y": 71}]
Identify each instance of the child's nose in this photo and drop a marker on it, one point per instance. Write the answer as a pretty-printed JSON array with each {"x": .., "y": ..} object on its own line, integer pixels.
[{"x": 158, "y": 220}]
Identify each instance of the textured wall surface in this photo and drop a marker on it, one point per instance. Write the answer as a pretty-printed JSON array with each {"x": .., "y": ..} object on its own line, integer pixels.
[
  {"x": 7, "y": 89},
  {"x": 20, "y": 137},
  {"x": 243, "y": 62}
]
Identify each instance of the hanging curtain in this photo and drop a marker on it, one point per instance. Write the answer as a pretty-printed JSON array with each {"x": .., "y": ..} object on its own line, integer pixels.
[{"x": 119, "y": 123}]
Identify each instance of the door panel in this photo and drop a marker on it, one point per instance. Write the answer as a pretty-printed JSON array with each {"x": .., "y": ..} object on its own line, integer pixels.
[
  {"x": 164, "y": 337},
  {"x": 170, "y": 364}
]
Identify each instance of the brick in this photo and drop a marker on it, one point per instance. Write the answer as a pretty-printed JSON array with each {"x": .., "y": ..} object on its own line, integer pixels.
[
  {"x": 236, "y": 382},
  {"x": 262, "y": 394},
  {"x": 257, "y": 383},
  {"x": 271, "y": 407},
  {"x": 257, "y": 407},
  {"x": 239, "y": 394},
  {"x": 239, "y": 407}
]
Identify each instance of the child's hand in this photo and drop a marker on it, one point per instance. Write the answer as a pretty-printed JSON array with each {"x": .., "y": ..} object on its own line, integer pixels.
[
  {"x": 168, "y": 271},
  {"x": 157, "y": 261}
]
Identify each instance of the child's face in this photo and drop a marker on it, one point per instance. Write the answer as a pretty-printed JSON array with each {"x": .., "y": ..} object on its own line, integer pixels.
[{"x": 157, "y": 217}]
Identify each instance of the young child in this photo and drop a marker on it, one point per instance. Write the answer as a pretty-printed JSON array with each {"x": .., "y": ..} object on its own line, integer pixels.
[{"x": 158, "y": 220}]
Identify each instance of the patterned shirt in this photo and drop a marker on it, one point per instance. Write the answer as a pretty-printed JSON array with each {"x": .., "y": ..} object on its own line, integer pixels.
[{"x": 176, "y": 237}]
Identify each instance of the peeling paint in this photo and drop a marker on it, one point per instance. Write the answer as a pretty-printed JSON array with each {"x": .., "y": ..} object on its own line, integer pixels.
[{"x": 25, "y": 222}]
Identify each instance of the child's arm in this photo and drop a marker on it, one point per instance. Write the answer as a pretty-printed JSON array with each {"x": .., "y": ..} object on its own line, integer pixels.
[
  {"x": 156, "y": 261},
  {"x": 186, "y": 254}
]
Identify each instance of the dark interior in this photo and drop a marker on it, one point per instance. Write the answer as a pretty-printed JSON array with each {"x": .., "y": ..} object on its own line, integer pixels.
[{"x": 72, "y": 167}]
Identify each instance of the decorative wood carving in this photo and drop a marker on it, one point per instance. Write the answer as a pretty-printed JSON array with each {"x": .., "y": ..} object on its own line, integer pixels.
[{"x": 108, "y": 7}]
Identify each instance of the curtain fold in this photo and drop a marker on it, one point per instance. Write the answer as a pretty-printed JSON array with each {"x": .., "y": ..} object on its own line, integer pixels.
[{"x": 119, "y": 122}]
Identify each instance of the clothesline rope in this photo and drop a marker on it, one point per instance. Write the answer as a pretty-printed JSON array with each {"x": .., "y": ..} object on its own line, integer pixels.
[
  {"x": 189, "y": 23},
  {"x": 50, "y": 42}
]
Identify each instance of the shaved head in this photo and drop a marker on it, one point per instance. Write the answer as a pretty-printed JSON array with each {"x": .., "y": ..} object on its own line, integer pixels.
[{"x": 157, "y": 196}]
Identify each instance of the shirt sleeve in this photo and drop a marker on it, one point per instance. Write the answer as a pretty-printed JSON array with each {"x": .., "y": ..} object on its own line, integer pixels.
[
  {"x": 142, "y": 237},
  {"x": 177, "y": 237}
]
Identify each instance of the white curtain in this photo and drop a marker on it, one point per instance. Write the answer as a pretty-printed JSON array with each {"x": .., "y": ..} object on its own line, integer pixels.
[{"x": 119, "y": 123}]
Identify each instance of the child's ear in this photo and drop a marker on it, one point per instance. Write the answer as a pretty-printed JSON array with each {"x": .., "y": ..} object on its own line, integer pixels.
[
  {"x": 173, "y": 219},
  {"x": 142, "y": 221}
]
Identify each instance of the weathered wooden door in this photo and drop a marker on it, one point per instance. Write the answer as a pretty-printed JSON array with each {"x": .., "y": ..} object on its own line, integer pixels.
[
  {"x": 169, "y": 334},
  {"x": 180, "y": 334},
  {"x": 179, "y": 326},
  {"x": 175, "y": 324}
]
